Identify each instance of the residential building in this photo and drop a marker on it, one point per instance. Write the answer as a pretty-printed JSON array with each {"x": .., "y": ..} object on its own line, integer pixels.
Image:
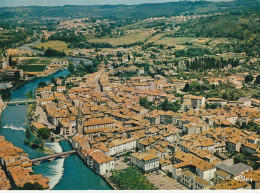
[{"x": 145, "y": 161}]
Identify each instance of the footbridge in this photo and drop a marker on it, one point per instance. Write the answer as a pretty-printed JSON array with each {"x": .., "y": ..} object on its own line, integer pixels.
[
  {"x": 20, "y": 102},
  {"x": 37, "y": 161}
]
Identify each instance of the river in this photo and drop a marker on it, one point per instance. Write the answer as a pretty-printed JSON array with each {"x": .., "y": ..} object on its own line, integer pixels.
[{"x": 64, "y": 174}]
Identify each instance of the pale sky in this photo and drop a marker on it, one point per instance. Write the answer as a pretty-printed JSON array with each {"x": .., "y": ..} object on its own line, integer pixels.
[{"x": 15, "y": 3}]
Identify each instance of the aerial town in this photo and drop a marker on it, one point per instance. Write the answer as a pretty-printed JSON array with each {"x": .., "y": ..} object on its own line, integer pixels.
[{"x": 172, "y": 112}]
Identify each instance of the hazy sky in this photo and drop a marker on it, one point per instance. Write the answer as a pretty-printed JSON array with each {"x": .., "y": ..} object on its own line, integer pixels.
[{"x": 15, "y": 3}]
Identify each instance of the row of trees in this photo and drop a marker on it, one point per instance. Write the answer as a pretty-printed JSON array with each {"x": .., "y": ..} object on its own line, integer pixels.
[
  {"x": 77, "y": 41},
  {"x": 192, "y": 52},
  {"x": 207, "y": 63},
  {"x": 53, "y": 53}
]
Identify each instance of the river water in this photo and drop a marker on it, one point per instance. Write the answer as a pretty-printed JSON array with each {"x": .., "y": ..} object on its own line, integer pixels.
[{"x": 64, "y": 174}]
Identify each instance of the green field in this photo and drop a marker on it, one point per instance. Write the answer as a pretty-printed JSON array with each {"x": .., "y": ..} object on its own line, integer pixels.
[
  {"x": 156, "y": 37},
  {"x": 36, "y": 61},
  {"x": 32, "y": 68},
  {"x": 142, "y": 37},
  {"x": 174, "y": 40},
  {"x": 126, "y": 39},
  {"x": 56, "y": 45}
]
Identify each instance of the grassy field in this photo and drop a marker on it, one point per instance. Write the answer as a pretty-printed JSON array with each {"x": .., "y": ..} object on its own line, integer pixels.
[
  {"x": 126, "y": 39},
  {"x": 174, "y": 40},
  {"x": 32, "y": 68},
  {"x": 201, "y": 41},
  {"x": 36, "y": 61},
  {"x": 156, "y": 37},
  {"x": 35, "y": 64},
  {"x": 56, "y": 45}
]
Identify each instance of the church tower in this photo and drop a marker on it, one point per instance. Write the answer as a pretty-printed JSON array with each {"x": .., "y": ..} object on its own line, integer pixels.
[{"x": 79, "y": 120}]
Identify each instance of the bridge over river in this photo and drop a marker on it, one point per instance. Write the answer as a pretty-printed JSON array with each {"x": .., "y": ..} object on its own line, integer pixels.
[
  {"x": 37, "y": 161},
  {"x": 20, "y": 102}
]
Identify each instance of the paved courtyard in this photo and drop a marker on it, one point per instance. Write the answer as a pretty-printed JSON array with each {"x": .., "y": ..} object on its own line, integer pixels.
[
  {"x": 120, "y": 164},
  {"x": 164, "y": 182}
]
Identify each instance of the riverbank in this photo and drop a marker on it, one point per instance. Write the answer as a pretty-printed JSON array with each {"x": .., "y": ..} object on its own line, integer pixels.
[
  {"x": 14, "y": 123},
  {"x": 1, "y": 110},
  {"x": 83, "y": 158},
  {"x": 80, "y": 176},
  {"x": 30, "y": 116},
  {"x": 42, "y": 74},
  {"x": 65, "y": 173},
  {"x": 111, "y": 183}
]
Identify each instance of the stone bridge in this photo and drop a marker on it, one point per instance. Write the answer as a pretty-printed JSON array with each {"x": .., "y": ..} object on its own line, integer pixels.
[
  {"x": 20, "y": 102},
  {"x": 37, "y": 161}
]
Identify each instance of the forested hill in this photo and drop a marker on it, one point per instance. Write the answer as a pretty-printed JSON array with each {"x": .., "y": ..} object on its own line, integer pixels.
[
  {"x": 242, "y": 25},
  {"x": 125, "y": 11}
]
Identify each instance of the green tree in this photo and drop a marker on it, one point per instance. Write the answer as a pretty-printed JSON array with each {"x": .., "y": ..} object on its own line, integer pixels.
[
  {"x": 29, "y": 95},
  {"x": 257, "y": 80},
  {"x": 186, "y": 87},
  {"x": 10, "y": 60},
  {"x": 28, "y": 133},
  {"x": 42, "y": 84},
  {"x": 55, "y": 101},
  {"x": 44, "y": 133},
  {"x": 131, "y": 179},
  {"x": 53, "y": 53},
  {"x": 81, "y": 62},
  {"x": 225, "y": 95},
  {"x": 165, "y": 104},
  {"x": 36, "y": 142},
  {"x": 143, "y": 101},
  {"x": 71, "y": 68},
  {"x": 168, "y": 106},
  {"x": 240, "y": 158},
  {"x": 249, "y": 78},
  {"x": 30, "y": 186},
  {"x": 17, "y": 75}
]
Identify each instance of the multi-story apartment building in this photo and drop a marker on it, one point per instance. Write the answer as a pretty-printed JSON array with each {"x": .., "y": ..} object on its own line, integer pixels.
[
  {"x": 145, "y": 161},
  {"x": 99, "y": 162},
  {"x": 193, "y": 181},
  {"x": 196, "y": 102}
]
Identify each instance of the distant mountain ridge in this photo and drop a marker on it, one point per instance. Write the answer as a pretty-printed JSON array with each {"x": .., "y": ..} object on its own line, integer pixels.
[{"x": 125, "y": 11}]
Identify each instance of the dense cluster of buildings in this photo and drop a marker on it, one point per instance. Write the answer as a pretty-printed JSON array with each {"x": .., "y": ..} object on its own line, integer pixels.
[
  {"x": 103, "y": 115},
  {"x": 16, "y": 168}
]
